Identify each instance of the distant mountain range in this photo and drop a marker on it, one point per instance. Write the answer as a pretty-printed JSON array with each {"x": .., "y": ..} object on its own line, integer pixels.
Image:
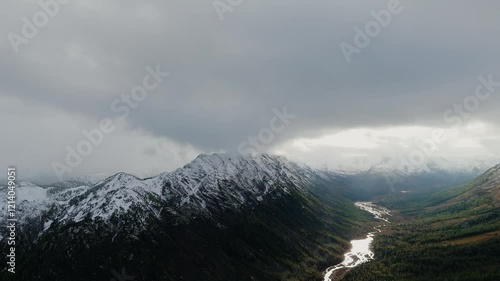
[
  {"x": 394, "y": 175},
  {"x": 388, "y": 164}
]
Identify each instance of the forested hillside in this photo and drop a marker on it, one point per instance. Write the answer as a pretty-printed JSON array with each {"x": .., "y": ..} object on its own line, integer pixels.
[{"x": 450, "y": 234}]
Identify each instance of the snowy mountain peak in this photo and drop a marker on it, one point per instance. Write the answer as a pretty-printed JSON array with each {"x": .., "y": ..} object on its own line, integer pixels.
[{"x": 206, "y": 186}]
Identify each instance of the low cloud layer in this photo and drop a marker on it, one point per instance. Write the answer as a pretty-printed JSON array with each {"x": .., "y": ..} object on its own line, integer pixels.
[{"x": 228, "y": 77}]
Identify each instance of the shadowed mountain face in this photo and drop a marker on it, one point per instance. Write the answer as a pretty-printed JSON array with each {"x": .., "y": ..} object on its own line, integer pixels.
[
  {"x": 488, "y": 185},
  {"x": 218, "y": 218}
]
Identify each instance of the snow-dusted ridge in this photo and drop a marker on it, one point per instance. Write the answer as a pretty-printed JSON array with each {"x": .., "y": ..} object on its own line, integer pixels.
[{"x": 208, "y": 185}]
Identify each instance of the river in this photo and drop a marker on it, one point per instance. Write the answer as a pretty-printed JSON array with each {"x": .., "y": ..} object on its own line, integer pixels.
[{"x": 361, "y": 249}]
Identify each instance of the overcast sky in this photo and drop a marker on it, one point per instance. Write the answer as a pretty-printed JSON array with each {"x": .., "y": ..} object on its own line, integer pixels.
[{"x": 228, "y": 78}]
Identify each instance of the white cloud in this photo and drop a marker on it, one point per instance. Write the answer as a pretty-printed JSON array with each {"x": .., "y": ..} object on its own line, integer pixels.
[{"x": 365, "y": 146}]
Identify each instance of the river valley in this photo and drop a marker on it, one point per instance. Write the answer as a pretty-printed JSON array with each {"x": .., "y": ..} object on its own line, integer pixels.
[{"x": 361, "y": 249}]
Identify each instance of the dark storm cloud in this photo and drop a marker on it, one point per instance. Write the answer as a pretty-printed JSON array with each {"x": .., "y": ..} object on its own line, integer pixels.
[{"x": 227, "y": 77}]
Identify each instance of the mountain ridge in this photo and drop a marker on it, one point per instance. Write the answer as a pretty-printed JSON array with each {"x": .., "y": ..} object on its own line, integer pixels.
[
  {"x": 208, "y": 178},
  {"x": 206, "y": 186},
  {"x": 221, "y": 213}
]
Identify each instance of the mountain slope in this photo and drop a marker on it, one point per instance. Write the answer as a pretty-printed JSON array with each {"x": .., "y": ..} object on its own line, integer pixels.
[
  {"x": 448, "y": 234},
  {"x": 220, "y": 217},
  {"x": 205, "y": 187}
]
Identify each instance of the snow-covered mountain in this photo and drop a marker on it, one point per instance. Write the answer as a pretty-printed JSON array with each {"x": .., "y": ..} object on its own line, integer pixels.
[
  {"x": 211, "y": 184},
  {"x": 400, "y": 165},
  {"x": 217, "y": 212},
  {"x": 32, "y": 200},
  {"x": 214, "y": 216},
  {"x": 206, "y": 187}
]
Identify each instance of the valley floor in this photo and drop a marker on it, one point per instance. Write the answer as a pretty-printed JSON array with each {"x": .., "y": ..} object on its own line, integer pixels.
[{"x": 436, "y": 236}]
